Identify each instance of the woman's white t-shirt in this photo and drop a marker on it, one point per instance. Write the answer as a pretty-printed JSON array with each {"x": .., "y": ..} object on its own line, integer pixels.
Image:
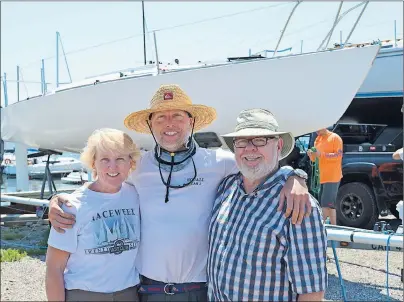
[{"x": 103, "y": 242}]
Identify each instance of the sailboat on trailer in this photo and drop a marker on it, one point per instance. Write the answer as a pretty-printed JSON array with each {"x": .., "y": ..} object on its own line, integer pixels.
[{"x": 305, "y": 91}]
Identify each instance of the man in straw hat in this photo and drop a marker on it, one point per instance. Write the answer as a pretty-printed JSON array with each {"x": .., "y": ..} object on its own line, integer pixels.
[
  {"x": 255, "y": 252},
  {"x": 177, "y": 182}
]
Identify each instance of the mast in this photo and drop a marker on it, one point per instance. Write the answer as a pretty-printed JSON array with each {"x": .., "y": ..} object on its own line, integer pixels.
[{"x": 144, "y": 34}]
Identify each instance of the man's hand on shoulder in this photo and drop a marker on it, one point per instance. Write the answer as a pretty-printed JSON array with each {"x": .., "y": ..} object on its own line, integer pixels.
[
  {"x": 297, "y": 197},
  {"x": 57, "y": 217}
]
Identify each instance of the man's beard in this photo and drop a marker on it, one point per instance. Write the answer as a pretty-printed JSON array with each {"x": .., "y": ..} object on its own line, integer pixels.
[
  {"x": 175, "y": 146},
  {"x": 260, "y": 171}
]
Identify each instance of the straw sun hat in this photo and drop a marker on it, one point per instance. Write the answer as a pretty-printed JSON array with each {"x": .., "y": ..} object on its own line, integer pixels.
[
  {"x": 170, "y": 97},
  {"x": 259, "y": 122}
]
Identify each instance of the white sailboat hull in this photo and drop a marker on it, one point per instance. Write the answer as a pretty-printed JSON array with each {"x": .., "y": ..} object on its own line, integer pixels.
[
  {"x": 75, "y": 178},
  {"x": 305, "y": 92}
]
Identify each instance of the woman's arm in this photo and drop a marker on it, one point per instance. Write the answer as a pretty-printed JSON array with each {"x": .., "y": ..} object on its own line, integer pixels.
[
  {"x": 56, "y": 261},
  {"x": 397, "y": 155}
]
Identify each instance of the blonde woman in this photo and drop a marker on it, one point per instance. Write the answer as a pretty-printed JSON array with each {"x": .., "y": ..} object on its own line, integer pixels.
[{"x": 95, "y": 260}]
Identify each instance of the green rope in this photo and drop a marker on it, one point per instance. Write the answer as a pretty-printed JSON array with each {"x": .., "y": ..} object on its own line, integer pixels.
[{"x": 315, "y": 176}]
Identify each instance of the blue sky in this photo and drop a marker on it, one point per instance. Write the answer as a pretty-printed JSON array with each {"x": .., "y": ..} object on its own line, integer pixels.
[{"x": 28, "y": 33}]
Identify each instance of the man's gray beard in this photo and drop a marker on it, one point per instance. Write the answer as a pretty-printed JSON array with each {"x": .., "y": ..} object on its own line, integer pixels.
[{"x": 260, "y": 171}]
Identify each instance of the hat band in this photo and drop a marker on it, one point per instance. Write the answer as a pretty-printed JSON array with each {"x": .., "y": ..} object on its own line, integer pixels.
[
  {"x": 254, "y": 125},
  {"x": 163, "y": 104}
]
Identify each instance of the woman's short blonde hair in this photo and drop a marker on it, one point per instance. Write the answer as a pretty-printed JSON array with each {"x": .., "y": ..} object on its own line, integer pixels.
[{"x": 106, "y": 140}]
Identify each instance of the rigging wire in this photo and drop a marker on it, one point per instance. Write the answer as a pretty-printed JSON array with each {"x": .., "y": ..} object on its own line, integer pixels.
[
  {"x": 163, "y": 29},
  {"x": 25, "y": 85}
]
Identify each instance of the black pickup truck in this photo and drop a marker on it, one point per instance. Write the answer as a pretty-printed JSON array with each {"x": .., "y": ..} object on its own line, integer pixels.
[{"x": 372, "y": 182}]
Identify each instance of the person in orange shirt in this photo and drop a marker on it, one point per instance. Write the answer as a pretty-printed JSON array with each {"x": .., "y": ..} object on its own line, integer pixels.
[{"x": 329, "y": 149}]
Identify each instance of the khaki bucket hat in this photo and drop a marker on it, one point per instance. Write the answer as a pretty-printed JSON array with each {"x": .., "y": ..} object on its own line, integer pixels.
[{"x": 260, "y": 122}]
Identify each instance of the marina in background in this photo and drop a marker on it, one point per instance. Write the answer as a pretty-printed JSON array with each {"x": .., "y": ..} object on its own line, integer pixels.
[{"x": 331, "y": 88}]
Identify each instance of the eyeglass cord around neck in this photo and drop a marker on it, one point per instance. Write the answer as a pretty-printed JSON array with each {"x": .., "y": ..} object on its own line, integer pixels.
[{"x": 158, "y": 151}]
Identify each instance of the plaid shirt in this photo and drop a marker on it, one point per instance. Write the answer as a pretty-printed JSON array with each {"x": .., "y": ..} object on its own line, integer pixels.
[{"x": 255, "y": 253}]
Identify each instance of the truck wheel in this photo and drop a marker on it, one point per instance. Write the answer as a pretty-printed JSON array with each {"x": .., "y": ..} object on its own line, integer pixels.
[{"x": 356, "y": 206}]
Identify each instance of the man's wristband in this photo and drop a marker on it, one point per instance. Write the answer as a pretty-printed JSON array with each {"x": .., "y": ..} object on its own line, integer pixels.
[{"x": 299, "y": 173}]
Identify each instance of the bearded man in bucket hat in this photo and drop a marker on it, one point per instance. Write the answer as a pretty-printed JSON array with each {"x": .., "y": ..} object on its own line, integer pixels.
[
  {"x": 177, "y": 182},
  {"x": 255, "y": 252}
]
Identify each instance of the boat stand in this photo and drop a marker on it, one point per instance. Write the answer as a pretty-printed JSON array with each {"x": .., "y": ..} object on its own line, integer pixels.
[{"x": 48, "y": 175}]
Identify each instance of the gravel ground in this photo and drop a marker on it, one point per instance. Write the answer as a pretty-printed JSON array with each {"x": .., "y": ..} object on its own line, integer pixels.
[
  {"x": 363, "y": 271},
  {"x": 364, "y": 275},
  {"x": 23, "y": 280}
]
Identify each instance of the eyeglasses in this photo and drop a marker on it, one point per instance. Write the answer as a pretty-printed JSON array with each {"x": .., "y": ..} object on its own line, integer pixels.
[{"x": 256, "y": 141}]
